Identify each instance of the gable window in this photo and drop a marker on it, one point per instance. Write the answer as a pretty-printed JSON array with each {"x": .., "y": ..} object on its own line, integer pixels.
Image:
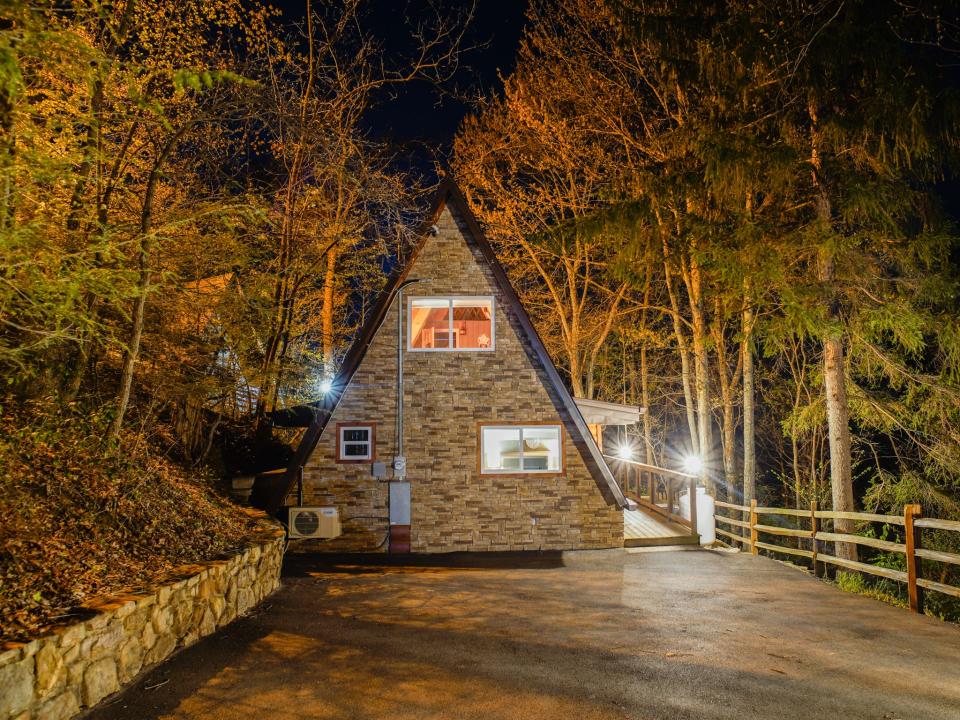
[
  {"x": 450, "y": 323},
  {"x": 507, "y": 449},
  {"x": 356, "y": 442}
]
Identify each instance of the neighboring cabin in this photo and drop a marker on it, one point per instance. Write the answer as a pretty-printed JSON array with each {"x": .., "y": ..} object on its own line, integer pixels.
[{"x": 497, "y": 455}]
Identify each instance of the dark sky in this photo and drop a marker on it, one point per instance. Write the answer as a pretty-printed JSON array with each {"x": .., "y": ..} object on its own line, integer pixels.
[{"x": 419, "y": 116}]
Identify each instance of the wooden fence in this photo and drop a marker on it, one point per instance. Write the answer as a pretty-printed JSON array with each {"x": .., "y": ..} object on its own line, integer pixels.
[{"x": 912, "y": 521}]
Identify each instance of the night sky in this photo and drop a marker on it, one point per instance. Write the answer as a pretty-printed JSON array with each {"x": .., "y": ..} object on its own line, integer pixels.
[{"x": 419, "y": 118}]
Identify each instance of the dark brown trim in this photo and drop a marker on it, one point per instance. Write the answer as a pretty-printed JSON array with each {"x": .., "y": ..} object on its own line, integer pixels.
[
  {"x": 373, "y": 442},
  {"x": 448, "y": 193},
  {"x": 562, "y": 472}
]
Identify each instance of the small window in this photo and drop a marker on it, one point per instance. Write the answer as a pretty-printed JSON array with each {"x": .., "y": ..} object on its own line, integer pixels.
[
  {"x": 355, "y": 443},
  {"x": 450, "y": 323},
  {"x": 506, "y": 449}
]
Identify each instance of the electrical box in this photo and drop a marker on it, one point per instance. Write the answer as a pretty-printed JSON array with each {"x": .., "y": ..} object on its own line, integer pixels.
[
  {"x": 399, "y": 503},
  {"x": 379, "y": 470},
  {"x": 399, "y": 467}
]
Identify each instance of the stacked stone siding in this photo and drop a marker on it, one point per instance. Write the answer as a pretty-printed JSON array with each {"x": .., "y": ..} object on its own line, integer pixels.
[
  {"x": 75, "y": 667},
  {"x": 446, "y": 396}
]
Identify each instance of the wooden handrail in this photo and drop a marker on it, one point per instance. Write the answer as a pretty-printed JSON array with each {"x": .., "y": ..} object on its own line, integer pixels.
[
  {"x": 732, "y": 536},
  {"x": 863, "y": 517},
  {"x": 939, "y": 587},
  {"x": 935, "y": 524},
  {"x": 782, "y": 511},
  {"x": 787, "y": 550},
  {"x": 862, "y": 540},
  {"x": 654, "y": 469},
  {"x": 731, "y": 521},
  {"x": 864, "y": 567},
  {"x": 937, "y": 556},
  {"x": 774, "y": 530},
  {"x": 731, "y": 506}
]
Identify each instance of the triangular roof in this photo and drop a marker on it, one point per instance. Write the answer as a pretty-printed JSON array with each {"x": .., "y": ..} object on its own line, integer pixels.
[{"x": 447, "y": 194}]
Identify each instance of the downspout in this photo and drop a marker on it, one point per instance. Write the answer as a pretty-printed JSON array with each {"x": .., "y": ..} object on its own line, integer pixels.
[
  {"x": 399, "y": 439},
  {"x": 398, "y": 502}
]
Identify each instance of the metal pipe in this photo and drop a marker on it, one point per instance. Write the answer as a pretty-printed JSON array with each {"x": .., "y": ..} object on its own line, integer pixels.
[{"x": 399, "y": 438}]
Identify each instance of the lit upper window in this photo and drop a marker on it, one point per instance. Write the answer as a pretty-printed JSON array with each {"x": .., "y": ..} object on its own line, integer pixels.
[
  {"x": 450, "y": 323},
  {"x": 520, "y": 449}
]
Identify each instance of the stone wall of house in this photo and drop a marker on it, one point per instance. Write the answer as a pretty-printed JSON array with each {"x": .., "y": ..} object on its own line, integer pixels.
[
  {"x": 446, "y": 396},
  {"x": 57, "y": 676}
]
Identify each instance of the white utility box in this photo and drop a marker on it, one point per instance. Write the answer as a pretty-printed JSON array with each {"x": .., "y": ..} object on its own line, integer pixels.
[
  {"x": 314, "y": 522},
  {"x": 706, "y": 525}
]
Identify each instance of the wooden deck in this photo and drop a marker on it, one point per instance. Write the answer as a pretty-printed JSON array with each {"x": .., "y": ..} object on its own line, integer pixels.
[{"x": 642, "y": 528}]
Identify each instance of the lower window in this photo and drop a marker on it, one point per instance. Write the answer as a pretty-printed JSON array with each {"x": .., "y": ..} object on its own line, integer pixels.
[
  {"x": 521, "y": 449},
  {"x": 355, "y": 443}
]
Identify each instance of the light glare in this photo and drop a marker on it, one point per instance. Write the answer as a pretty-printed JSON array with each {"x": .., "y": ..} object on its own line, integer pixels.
[
  {"x": 625, "y": 452},
  {"x": 692, "y": 464},
  {"x": 326, "y": 385}
]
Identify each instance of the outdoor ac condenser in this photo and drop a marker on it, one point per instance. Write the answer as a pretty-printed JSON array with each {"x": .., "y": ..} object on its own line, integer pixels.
[{"x": 314, "y": 522}]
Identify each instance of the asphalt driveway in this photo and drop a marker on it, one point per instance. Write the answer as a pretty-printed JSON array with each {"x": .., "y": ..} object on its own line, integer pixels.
[{"x": 668, "y": 634}]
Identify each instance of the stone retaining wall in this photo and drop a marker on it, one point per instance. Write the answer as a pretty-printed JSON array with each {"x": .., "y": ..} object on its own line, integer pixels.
[{"x": 55, "y": 677}]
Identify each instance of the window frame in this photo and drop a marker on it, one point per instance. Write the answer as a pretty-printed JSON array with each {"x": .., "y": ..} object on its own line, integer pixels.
[
  {"x": 481, "y": 426},
  {"x": 372, "y": 455},
  {"x": 450, "y": 300}
]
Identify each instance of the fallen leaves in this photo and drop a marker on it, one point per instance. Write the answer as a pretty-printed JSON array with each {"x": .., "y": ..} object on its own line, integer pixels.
[{"x": 80, "y": 521}]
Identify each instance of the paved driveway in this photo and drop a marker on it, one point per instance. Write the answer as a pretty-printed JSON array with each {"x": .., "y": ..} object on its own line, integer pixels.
[{"x": 695, "y": 634}]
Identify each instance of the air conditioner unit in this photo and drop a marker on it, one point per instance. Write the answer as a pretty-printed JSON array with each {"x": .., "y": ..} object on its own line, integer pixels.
[{"x": 314, "y": 522}]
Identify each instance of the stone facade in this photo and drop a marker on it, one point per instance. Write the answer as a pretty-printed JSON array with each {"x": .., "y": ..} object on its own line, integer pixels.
[
  {"x": 446, "y": 396},
  {"x": 57, "y": 676}
]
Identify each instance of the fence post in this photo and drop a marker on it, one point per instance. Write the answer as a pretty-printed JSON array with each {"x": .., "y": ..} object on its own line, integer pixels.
[
  {"x": 753, "y": 527},
  {"x": 814, "y": 529},
  {"x": 914, "y": 563}
]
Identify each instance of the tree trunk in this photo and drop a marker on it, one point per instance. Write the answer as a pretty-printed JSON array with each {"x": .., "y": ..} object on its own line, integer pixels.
[
  {"x": 329, "y": 298},
  {"x": 841, "y": 474},
  {"x": 645, "y": 400},
  {"x": 689, "y": 402},
  {"x": 701, "y": 366},
  {"x": 834, "y": 380},
  {"x": 749, "y": 427},
  {"x": 729, "y": 381},
  {"x": 143, "y": 286},
  {"x": 133, "y": 346}
]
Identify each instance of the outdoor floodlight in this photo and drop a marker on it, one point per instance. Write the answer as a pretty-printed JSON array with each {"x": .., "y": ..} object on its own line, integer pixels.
[{"x": 693, "y": 464}]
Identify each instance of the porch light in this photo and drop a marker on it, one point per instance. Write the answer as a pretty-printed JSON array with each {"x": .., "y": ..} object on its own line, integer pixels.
[
  {"x": 625, "y": 452},
  {"x": 693, "y": 464},
  {"x": 325, "y": 385}
]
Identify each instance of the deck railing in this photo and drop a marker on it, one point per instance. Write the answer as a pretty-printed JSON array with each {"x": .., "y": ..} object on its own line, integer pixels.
[
  {"x": 812, "y": 536},
  {"x": 657, "y": 489}
]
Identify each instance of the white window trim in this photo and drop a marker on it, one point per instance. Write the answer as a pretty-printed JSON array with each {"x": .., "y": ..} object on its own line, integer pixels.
[
  {"x": 450, "y": 299},
  {"x": 520, "y": 471},
  {"x": 342, "y": 444}
]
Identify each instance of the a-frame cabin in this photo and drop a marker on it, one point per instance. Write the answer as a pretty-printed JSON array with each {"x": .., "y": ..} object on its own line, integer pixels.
[{"x": 497, "y": 455}]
